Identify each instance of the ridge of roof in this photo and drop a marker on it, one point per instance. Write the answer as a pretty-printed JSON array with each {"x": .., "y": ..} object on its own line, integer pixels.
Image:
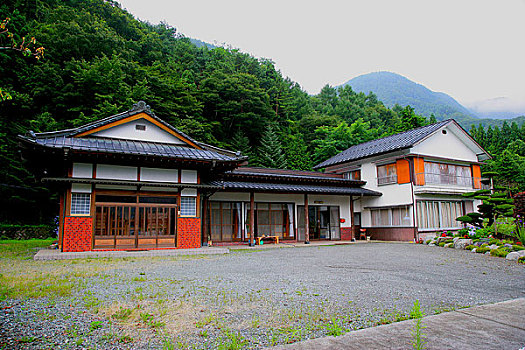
[
  {"x": 385, "y": 144},
  {"x": 139, "y": 107}
]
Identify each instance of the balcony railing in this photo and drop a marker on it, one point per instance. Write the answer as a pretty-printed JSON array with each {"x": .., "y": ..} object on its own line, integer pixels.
[
  {"x": 448, "y": 179},
  {"x": 391, "y": 179}
]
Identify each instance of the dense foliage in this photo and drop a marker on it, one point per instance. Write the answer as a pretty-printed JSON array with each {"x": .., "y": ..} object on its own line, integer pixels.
[
  {"x": 507, "y": 146},
  {"x": 99, "y": 60}
]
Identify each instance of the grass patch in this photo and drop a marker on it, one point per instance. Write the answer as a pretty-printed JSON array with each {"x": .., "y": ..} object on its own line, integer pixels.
[
  {"x": 34, "y": 286},
  {"x": 21, "y": 249}
]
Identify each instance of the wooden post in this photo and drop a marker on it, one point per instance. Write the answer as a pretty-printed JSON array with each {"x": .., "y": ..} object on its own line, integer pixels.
[
  {"x": 352, "y": 227},
  {"x": 205, "y": 236},
  {"x": 252, "y": 218},
  {"x": 306, "y": 221}
]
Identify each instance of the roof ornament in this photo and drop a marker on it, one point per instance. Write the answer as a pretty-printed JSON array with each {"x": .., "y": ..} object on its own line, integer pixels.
[{"x": 141, "y": 106}]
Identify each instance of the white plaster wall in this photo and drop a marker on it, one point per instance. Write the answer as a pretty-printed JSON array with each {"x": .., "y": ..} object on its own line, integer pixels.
[
  {"x": 81, "y": 188},
  {"x": 189, "y": 192},
  {"x": 82, "y": 170},
  {"x": 188, "y": 176},
  {"x": 116, "y": 172},
  {"x": 446, "y": 146},
  {"x": 128, "y": 131},
  {"x": 159, "y": 175},
  {"x": 393, "y": 194}
]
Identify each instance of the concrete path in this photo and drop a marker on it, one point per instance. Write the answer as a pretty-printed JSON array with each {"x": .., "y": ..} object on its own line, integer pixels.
[
  {"x": 54, "y": 254},
  {"x": 491, "y": 326}
]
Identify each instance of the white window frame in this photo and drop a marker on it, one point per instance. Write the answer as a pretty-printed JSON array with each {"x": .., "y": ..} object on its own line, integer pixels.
[
  {"x": 390, "y": 217},
  {"x": 78, "y": 202},
  {"x": 427, "y": 204}
]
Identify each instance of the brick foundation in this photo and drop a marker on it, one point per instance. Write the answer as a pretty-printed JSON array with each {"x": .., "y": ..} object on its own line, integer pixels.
[
  {"x": 77, "y": 234},
  {"x": 188, "y": 233},
  {"x": 391, "y": 233},
  {"x": 346, "y": 234}
]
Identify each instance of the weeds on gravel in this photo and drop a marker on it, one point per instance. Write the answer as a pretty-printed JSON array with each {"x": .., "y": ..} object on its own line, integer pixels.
[
  {"x": 232, "y": 341},
  {"x": 334, "y": 328},
  {"x": 122, "y": 314},
  {"x": 418, "y": 342}
]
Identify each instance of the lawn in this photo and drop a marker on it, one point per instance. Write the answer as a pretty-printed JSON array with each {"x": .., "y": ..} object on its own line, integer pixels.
[{"x": 240, "y": 300}]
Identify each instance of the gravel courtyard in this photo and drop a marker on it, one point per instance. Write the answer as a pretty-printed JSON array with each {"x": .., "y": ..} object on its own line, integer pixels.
[{"x": 249, "y": 298}]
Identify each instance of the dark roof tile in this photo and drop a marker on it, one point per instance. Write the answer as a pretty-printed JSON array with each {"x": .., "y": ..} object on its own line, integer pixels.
[{"x": 386, "y": 144}]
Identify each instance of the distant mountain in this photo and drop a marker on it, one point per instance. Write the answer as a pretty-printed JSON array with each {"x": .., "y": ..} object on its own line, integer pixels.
[
  {"x": 499, "y": 107},
  {"x": 200, "y": 43},
  {"x": 392, "y": 88}
]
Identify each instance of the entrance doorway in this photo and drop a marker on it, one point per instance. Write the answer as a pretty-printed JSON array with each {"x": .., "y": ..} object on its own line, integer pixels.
[
  {"x": 127, "y": 222},
  {"x": 323, "y": 222}
]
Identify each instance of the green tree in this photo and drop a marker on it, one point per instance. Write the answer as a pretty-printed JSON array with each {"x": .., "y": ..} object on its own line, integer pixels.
[{"x": 270, "y": 152}]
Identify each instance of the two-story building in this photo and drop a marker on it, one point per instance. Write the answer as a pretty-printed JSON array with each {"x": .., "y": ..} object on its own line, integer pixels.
[
  {"x": 132, "y": 181},
  {"x": 421, "y": 174}
]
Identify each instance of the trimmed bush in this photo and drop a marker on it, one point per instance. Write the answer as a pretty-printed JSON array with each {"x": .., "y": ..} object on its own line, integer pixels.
[
  {"x": 516, "y": 247},
  {"x": 441, "y": 244},
  {"x": 499, "y": 252},
  {"x": 521, "y": 260},
  {"x": 482, "y": 249},
  {"x": 26, "y": 231},
  {"x": 470, "y": 247}
]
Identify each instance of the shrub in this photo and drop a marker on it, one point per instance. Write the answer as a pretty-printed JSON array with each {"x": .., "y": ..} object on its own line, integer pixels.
[
  {"x": 449, "y": 241},
  {"x": 516, "y": 247},
  {"x": 470, "y": 247},
  {"x": 482, "y": 249},
  {"x": 441, "y": 244},
  {"x": 521, "y": 260},
  {"x": 499, "y": 252}
]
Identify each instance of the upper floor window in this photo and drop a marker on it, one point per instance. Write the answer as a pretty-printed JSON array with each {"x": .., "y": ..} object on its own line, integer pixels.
[
  {"x": 448, "y": 174},
  {"x": 353, "y": 175},
  {"x": 386, "y": 174}
]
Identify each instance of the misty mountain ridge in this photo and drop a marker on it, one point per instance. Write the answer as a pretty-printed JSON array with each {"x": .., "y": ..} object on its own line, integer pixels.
[{"x": 392, "y": 88}]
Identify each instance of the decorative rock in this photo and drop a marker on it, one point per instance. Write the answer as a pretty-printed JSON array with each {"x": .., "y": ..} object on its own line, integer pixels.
[
  {"x": 455, "y": 240},
  {"x": 521, "y": 253},
  {"x": 493, "y": 246},
  {"x": 462, "y": 243},
  {"x": 473, "y": 250},
  {"x": 441, "y": 239},
  {"x": 448, "y": 245},
  {"x": 512, "y": 256},
  {"x": 431, "y": 244}
]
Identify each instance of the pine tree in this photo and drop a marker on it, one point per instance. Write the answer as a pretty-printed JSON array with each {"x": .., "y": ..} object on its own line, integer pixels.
[
  {"x": 241, "y": 143},
  {"x": 270, "y": 153}
]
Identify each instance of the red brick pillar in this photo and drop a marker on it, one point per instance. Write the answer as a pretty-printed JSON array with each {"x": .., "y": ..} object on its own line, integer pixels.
[
  {"x": 77, "y": 233},
  {"x": 188, "y": 233}
]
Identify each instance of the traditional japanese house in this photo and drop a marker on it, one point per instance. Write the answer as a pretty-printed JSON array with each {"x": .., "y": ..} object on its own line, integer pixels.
[{"x": 132, "y": 181}]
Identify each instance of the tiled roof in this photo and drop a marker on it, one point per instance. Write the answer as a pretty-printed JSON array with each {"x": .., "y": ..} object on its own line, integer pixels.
[
  {"x": 256, "y": 174},
  {"x": 386, "y": 144},
  {"x": 133, "y": 147},
  {"x": 299, "y": 188}
]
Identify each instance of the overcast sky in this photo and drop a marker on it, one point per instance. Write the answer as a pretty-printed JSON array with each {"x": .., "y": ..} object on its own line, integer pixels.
[{"x": 471, "y": 49}]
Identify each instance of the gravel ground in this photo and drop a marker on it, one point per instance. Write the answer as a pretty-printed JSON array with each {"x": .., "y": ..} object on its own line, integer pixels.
[{"x": 254, "y": 298}]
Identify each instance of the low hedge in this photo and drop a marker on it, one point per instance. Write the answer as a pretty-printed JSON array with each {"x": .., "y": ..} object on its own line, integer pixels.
[{"x": 26, "y": 231}]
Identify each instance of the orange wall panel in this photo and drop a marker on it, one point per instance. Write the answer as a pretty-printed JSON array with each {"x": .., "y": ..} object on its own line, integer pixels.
[
  {"x": 476, "y": 175},
  {"x": 419, "y": 170},
  {"x": 403, "y": 171}
]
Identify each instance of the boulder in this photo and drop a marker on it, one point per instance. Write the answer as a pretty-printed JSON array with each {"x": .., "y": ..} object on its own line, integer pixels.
[
  {"x": 448, "y": 245},
  {"x": 473, "y": 250},
  {"x": 442, "y": 239},
  {"x": 520, "y": 252},
  {"x": 431, "y": 244},
  {"x": 455, "y": 240},
  {"x": 462, "y": 243},
  {"x": 512, "y": 256},
  {"x": 493, "y": 246}
]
